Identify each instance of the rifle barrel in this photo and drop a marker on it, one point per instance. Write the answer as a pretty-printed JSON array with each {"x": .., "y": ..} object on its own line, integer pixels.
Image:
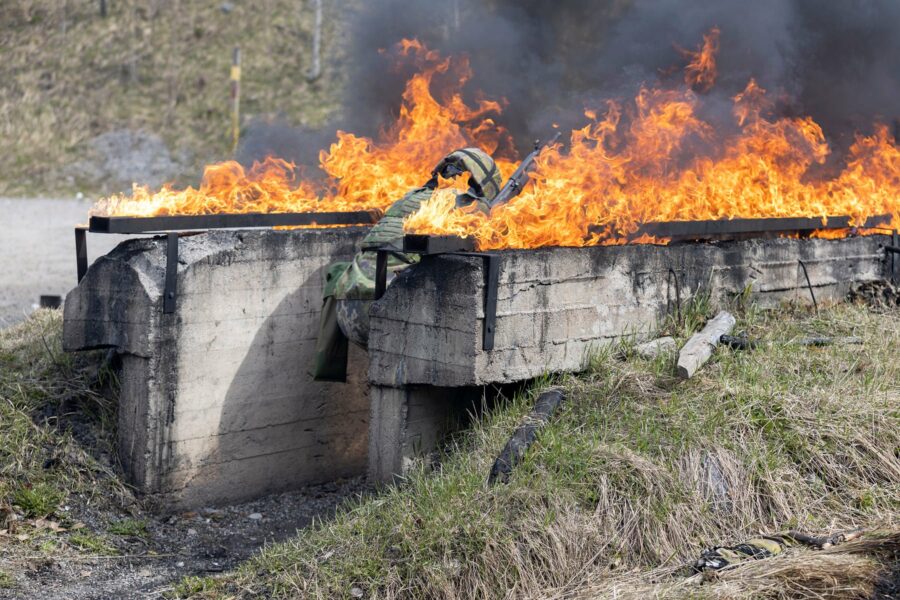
[{"x": 520, "y": 177}]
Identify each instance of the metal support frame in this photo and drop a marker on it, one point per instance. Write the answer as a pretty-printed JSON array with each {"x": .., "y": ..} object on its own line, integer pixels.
[
  {"x": 170, "y": 288},
  {"x": 171, "y": 224},
  {"x": 81, "y": 263},
  {"x": 381, "y": 260},
  {"x": 726, "y": 228},
  {"x": 809, "y": 286},
  {"x": 490, "y": 267},
  {"x": 895, "y": 260},
  {"x": 437, "y": 244}
]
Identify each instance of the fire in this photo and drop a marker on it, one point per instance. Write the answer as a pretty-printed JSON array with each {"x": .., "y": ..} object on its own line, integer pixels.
[
  {"x": 701, "y": 72},
  {"x": 360, "y": 172},
  {"x": 656, "y": 159}
]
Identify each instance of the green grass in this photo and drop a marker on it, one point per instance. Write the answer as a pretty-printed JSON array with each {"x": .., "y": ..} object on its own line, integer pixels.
[
  {"x": 92, "y": 543},
  {"x": 638, "y": 471},
  {"x": 39, "y": 385},
  {"x": 39, "y": 500},
  {"x": 6, "y": 581},
  {"x": 192, "y": 585},
  {"x": 129, "y": 527}
]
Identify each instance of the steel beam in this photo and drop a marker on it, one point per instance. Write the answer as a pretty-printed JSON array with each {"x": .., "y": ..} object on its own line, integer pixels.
[
  {"x": 437, "y": 244},
  {"x": 127, "y": 225},
  {"x": 727, "y": 227}
]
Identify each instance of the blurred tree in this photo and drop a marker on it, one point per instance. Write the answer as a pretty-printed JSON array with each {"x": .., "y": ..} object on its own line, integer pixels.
[{"x": 315, "y": 70}]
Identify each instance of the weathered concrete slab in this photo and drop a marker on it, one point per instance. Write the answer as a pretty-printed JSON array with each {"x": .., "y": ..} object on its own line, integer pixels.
[
  {"x": 556, "y": 305},
  {"x": 410, "y": 421},
  {"x": 217, "y": 404}
]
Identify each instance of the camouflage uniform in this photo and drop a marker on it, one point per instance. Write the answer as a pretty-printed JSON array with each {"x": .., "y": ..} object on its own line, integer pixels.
[
  {"x": 766, "y": 546},
  {"x": 350, "y": 286}
]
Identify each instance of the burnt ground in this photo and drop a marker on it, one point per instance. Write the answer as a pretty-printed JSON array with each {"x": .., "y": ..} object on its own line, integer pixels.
[{"x": 202, "y": 542}]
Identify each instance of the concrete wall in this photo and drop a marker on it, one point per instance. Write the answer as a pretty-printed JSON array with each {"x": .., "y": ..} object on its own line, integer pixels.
[
  {"x": 217, "y": 404},
  {"x": 406, "y": 422},
  {"x": 555, "y": 306}
]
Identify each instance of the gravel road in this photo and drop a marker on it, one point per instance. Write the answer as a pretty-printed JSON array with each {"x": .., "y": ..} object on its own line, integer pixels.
[{"x": 37, "y": 251}]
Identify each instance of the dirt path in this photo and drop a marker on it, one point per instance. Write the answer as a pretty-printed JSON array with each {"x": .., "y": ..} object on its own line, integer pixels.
[{"x": 37, "y": 251}]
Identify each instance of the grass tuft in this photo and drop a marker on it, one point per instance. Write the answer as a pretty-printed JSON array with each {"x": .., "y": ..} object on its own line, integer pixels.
[
  {"x": 56, "y": 416},
  {"x": 92, "y": 543},
  {"x": 39, "y": 500},
  {"x": 193, "y": 585},
  {"x": 129, "y": 527},
  {"x": 6, "y": 581}
]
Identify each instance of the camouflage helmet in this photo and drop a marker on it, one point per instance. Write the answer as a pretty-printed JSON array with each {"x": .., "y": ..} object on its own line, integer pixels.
[{"x": 485, "y": 179}]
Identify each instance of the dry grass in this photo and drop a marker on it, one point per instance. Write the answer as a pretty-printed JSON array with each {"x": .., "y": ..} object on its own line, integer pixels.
[
  {"x": 638, "y": 473},
  {"x": 56, "y": 416},
  {"x": 857, "y": 570},
  {"x": 161, "y": 66}
]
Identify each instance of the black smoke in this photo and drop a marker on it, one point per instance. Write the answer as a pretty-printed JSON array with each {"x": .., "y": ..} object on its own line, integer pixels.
[{"x": 835, "y": 60}]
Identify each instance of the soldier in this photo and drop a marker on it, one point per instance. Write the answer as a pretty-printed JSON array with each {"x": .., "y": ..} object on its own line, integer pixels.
[{"x": 350, "y": 286}]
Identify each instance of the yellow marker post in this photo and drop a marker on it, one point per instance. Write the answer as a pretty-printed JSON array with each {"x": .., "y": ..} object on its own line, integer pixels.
[{"x": 236, "y": 98}]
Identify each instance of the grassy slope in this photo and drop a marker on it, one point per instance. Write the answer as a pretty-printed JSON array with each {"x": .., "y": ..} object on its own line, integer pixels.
[
  {"x": 626, "y": 479},
  {"x": 45, "y": 396},
  {"x": 161, "y": 66}
]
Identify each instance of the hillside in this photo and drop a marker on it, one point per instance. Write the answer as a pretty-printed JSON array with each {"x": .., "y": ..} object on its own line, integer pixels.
[{"x": 90, "y": 103}]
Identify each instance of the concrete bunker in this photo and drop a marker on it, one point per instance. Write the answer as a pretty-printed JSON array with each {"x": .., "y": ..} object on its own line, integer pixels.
[{"x": 217, "y": 404}]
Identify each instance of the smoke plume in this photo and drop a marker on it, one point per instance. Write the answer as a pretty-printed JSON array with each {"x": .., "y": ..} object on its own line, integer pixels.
[{"x": 837, "y": 62}]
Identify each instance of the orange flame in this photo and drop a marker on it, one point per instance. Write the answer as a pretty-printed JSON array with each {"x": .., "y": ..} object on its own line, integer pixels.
[
  {"x": 701, "y": 72},
  {"x": 361, "y": 172},
  {"x": 638, "y": 163}
]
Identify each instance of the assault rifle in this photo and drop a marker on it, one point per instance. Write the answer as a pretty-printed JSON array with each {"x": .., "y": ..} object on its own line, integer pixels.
[{"x": 519, "y": 179}]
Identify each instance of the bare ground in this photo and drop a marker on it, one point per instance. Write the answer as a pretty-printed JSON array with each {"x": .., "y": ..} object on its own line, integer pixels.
[{"x": 200, "y": 543}]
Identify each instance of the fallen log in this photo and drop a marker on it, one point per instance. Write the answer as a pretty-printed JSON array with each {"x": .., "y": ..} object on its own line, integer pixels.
[
  {"x": 525, "y": 435},
  {"x": 700, "y": 347}
]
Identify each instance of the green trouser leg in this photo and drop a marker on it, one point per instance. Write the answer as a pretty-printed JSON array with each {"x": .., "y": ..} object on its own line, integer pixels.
[{"x": 330, "y": 361}]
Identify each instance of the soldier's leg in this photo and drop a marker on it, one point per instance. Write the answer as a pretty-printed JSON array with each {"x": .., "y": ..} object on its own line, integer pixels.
[{"x": 330, "y": 361}]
